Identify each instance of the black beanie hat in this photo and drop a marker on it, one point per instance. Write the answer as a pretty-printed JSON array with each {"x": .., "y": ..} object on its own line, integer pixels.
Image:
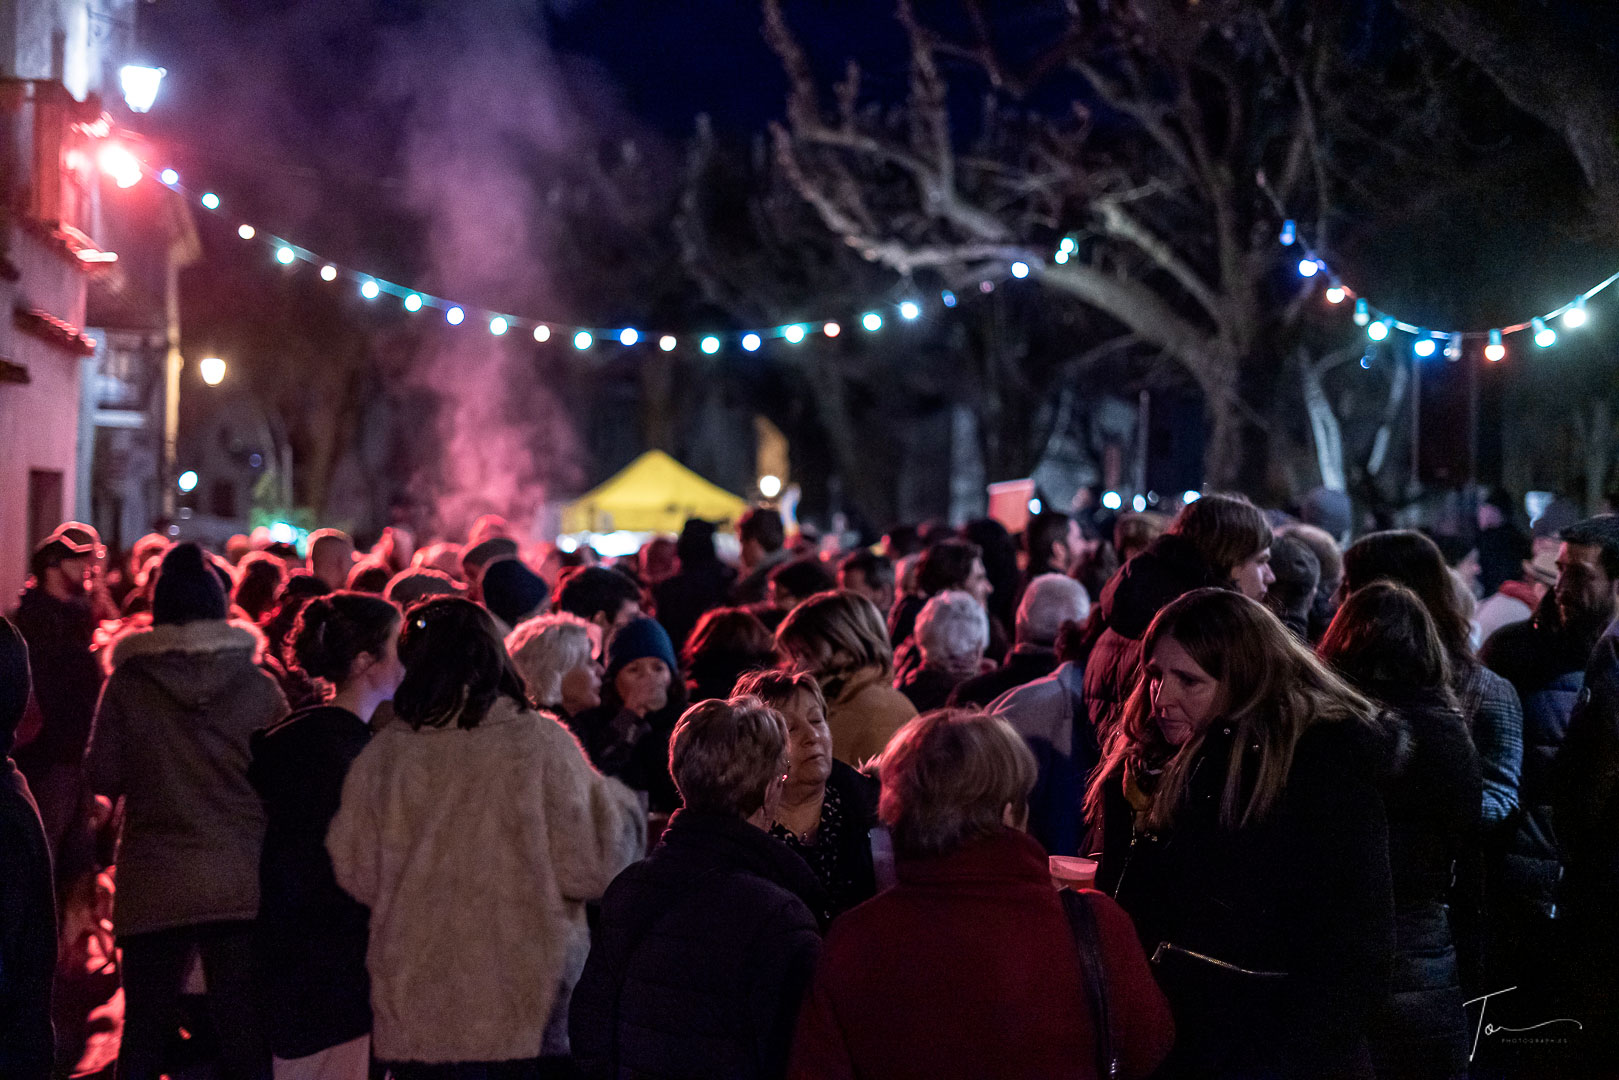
[
  {"x": 511, "y": 590},
  {"x": 187, "y": 588}
]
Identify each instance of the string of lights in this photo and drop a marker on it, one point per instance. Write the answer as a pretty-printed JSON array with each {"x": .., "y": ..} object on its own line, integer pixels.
[
  {"x": 1380, "y": 324},
  {"x": 499, "y": 324}
]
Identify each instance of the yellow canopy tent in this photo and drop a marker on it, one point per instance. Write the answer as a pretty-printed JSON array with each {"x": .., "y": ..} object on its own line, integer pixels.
[{"x": 653, "y": 493}]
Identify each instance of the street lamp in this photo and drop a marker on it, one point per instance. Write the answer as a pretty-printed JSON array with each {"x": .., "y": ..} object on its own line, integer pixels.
[
  {"x": 212, "y": 370},
  {"x": 140, "y": 84}
]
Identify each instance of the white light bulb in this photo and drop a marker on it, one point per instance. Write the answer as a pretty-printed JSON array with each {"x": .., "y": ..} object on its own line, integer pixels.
[
  {"x": 169, "y": 177},
  {"x": 246, "y": 232},
  {"x": 498, "y": 325},
  {"x": 1378, "y": 331},
  {"x": 1574, "y": 317},
  {"x": 628, "y": 336},
  {"x": 872, "y": 321},
  {"x": 370, "y": 289},
  {"x": 1424, "y": 347},
  {"x": 454, "y": 316},
  {"x": 909, "y": 310},
  {"x": 328, "y": 272},
  {"x": 1308, "y": 267},
  {"x": 1189, "y": 497},
  {"x": 794, "y": 334},
  {"x": 284, "y": 256},
  {"x": 1111, "y": 500},
  {"x": 1020, "y": 269},
  {"x": 210, "y": 201},
  {"x": 751, "y": 342},
  {"x": 711, "y": 345},
  {"x": 413, "y": 302},
  {"x": 667, "y": 343},
  {"x": 542, "y": 333},
  {"x": 582, "y": 340},
  {"x": 1335, "y": 295}
]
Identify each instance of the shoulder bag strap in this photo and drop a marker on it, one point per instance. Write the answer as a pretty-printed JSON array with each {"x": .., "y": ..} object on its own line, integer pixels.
[{"x": 1088, "y": 940}]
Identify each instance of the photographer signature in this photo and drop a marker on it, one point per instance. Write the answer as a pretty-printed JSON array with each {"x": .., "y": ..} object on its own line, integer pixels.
[{"x": 1491, "y": 1029}]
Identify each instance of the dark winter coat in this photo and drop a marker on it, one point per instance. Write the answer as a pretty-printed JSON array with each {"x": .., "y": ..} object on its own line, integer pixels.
[
  {"x": 631, "y": 748},
  {"x": 968, "y": 969},
  {"x": 686, "y": 597},
  {"x": 700, "y": 960},
  {"x": 1303, "y": 897},
  {"x": 1025, "y": 664},
  {"x": 1585, "y": 796},
  {"x": 171, "y": 736},
  {"x": 67, "y": 677},
  {"x": 311, "y": 934},
  {"x": 927, "y": 688},
  {"x": 1169, "y": 568},
  {"x": 754, "y": 587},
  {"x": 1432, "y": 800},
  {"x": 1547, "y": 668},
  {"x": 27, "y": 930},
  {"x": 1050, "y": 715}
]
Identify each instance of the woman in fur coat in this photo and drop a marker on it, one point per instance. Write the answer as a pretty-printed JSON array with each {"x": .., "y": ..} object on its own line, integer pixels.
[{"x": 475, "y": 831}]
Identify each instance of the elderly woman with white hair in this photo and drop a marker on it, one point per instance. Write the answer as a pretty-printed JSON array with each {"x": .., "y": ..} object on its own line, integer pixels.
[
  {"x": 557, "y": 657},
  {"x": 1051, "y": 602},
  {"x": 973, "y": 965},
  {"x": 953, "y": 631},
  {"x": 705, "y": 947}
]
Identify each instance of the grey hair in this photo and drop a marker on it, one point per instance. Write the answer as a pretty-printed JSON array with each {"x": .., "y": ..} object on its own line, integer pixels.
[
  {"x": 547, "y": 647},
  {"x": 1048, "y": 602},
  {"x": 724, "y": 754},
  {"x": 948, "y": 777},
  {"x": 953, "y": 631}
]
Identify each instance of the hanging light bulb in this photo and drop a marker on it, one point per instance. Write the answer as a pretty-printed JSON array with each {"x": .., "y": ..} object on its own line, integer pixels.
[
  {"x": 1574, "y": 317},
  {"x": 284, "y": 256},
  {"x": 413, "y": 302},
  {"x": 1060, "y": 258},
  {"x": 498, "y": 325},
  {"x": 1290, "y": 233},
  {"x": 794, "y": 334},
  {"x": 1495, "y": 352},
  {"x": 1336, "y": 294},
  {"x": 711, "y": 345},
  {"x": 872, "y": 321},
  {"x": 910, "y": 309},
  {"x": 1362, "y": 316},
  {"x": 542, "y": 333},
  {"x": 370, "y": 289},
  {"x": 210, "y": 201},
  {"x": 1545, "y": 336},
  {"x": 1378, "y": 330},
  {"x": 246, "y": 232},
  {"x": 751, "y": 342},
  {"x": 328, "y": 272},
  {"x": 1453, "y": 348},
  {"x": 1068, "y": 246},
  {"x": 1424, "y": 347},
  {"x": 582, "y": 340},
  {"x": 831, "y": 329},
  {"x": 667, "y": 343},
  {"x": 1309, "y": 267},
  {"x": 1020, "y": 269},
  {"x": 948, "y": 298},
  {"x": 454, "y": 316},
  {"x": 169, "y": 177}
]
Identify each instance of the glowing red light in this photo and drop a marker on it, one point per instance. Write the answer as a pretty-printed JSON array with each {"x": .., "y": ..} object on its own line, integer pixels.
[{"x": 122, "y": 166}]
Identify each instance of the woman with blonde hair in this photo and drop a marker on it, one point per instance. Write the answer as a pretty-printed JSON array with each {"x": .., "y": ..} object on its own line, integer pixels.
[
  {"x": 1242, "y": 828},
  {"x": 839, "y": 638},
  {"x": 556, "y": 655}
]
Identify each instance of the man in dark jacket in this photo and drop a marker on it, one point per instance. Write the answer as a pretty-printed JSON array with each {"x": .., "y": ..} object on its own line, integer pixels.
[
  {"x": 763, "y": 538},
  {"x": 698, "y": 587},
  {"x": 1050, "y": 602},
  {"x": 1545, "y": 660},
  {"x": 705, "y": 947},
  {"x": 56, "y": 618},
  {"x": 27, "y": 898}
]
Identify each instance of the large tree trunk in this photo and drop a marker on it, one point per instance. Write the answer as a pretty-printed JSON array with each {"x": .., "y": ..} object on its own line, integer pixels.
[{"x": 1324, "y": 428}]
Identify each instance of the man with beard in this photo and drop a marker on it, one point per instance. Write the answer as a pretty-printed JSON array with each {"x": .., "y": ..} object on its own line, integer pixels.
[
  {"x": 57, "y": 619},
  {"x": 1545, "y": 659}
]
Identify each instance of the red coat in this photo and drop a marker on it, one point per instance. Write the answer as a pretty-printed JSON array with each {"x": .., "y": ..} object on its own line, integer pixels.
[{"x": 967, "y": 968}]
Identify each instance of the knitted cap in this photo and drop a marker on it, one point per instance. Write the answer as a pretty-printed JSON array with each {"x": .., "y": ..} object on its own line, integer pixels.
[
  {"x": 638, "y": 640},
  {"x": 512, "y": 591},
  {"x": 187, "y": 587},
  {"x": 475, "y": 558}
]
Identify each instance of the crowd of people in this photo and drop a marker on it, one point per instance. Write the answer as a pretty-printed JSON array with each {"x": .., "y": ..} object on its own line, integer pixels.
[{"x": 483, "y": 809}]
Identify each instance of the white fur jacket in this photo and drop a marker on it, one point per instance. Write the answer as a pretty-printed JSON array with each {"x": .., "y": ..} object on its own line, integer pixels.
[{"x": 475, "y": 850}]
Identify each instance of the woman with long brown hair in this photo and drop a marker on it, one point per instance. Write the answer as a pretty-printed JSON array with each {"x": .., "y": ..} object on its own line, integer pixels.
[
  {"x": 1384, "y": 642},
  {"x": 1243, "y": 830}
]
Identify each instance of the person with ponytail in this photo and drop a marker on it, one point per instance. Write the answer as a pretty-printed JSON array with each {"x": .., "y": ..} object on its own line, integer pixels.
[
  {"x": 475, "y": 830},
  {"x": 311, "y": 934},
  {"x": 1243, "y": 830}
]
